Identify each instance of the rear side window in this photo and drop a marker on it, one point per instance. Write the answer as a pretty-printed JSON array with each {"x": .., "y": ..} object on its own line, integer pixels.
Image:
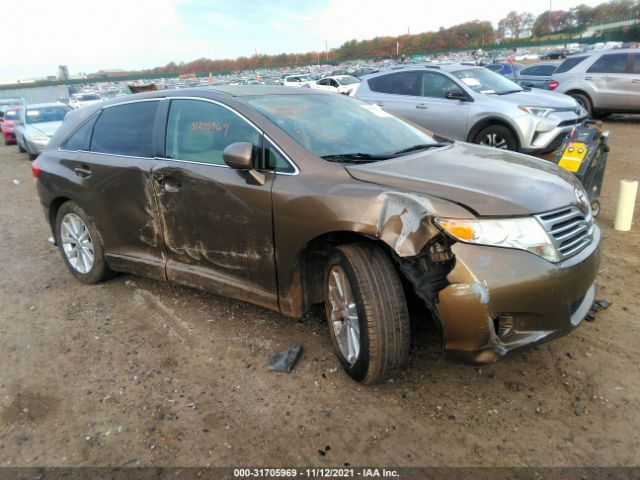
[
  {"x": 199, "y": 131},
  {"x": 402, "y": 83},
  {"x": 81, "y": 139},
  {"x": 610, "y": 63},
  {"x": 125, "y": 130},
  {"x": 569, "y": 63}
]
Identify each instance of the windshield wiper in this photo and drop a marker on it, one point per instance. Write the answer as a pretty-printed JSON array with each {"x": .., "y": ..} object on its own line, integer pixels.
[
  {"x": 510, "y": 91},
  {"x": 355, "y": 157},
  {"x": 422, "y": 146}
]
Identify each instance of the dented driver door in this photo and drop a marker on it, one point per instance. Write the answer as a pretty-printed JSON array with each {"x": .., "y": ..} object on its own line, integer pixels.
[{"x": 217, "y": 221}]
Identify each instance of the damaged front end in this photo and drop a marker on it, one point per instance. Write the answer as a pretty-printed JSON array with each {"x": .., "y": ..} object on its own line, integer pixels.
[{"x": 488, "y": 301}]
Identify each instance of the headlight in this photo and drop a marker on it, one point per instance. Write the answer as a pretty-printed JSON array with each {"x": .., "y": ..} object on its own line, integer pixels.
[
  {"x": 537, "y": 111},
  {"x": 37, "y": 136},
  {"x": 524, "y": 233}
]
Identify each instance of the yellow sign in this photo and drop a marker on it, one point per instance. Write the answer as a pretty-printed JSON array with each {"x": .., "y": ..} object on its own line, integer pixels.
[{"x": 573, "y": 156}]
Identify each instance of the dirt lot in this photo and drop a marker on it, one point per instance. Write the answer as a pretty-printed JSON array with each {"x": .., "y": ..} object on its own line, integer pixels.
[{"x": 136, "y": 372}]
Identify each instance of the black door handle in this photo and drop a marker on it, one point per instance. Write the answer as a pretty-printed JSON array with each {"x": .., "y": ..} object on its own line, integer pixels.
[{"x": 83, "y": 171}]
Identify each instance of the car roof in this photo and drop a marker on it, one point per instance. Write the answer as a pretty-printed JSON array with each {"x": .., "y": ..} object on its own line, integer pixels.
[{"x": 42, "y": 105}]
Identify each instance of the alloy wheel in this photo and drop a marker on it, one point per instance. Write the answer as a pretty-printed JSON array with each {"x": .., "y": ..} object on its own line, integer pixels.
[
  {"x": 76, "y": 243},
  {"x": 344, "y": 314},
  {"x": 495, "y": 140}
]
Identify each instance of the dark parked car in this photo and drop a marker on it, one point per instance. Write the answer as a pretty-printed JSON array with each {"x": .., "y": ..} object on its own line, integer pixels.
[
  {"x": 555, "y": 55},
  {"x": 506, "y": 69},
  {"x": 538, "y": 75},
  {"x": 291, "y": 197}
]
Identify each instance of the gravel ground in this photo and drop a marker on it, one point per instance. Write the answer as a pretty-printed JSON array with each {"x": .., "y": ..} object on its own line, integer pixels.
[{"x": 136, "y": 372}]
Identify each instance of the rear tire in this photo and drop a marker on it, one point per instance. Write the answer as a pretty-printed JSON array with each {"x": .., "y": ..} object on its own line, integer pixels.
[
  {"x": 377, "y": 309},
  {"x": 497, "y": 136},
  {"x": 20, "y": 149},
  {"x": 584, "y": 101},
  {"x": 85, "y": 260}
]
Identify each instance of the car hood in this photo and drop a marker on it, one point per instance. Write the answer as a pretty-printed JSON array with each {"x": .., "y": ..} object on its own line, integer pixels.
[
  {"x": 488, "y": 181},
  {"x": 48, "y": 128},
  {"x": 537, "y": 97}
]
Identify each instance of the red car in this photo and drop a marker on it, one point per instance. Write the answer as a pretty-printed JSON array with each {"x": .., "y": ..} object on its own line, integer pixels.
[{"x": 6, "y": 127}]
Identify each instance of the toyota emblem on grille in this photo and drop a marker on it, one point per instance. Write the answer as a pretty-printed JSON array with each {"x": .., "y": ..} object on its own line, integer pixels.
[{"x": 583, "y": 203}]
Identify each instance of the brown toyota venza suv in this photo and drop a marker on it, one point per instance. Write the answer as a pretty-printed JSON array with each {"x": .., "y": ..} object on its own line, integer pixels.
[{"x": 288, "y": 198}]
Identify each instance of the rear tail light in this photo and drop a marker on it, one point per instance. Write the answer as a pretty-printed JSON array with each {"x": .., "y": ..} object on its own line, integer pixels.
[
  {"x": 35, "y": 168},
  {"x": 553, "y": 84}
]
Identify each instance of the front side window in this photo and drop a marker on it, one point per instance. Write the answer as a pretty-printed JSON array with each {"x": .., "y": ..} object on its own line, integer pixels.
[
  {"x": 436, "y": 85},
  {"x": 636, "y": 63},
  {"x": 402, "y": 83},
  {"x": 125, "y": 130},
  {"x": 45, "y": 114},
  {"x": 610, "y": 63},
  {"x": 199, "y": 131},
  {"x": 329, "y": 125}
]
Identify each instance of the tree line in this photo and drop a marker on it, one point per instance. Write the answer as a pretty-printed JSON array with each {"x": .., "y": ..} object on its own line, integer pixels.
[{"x": 516, "y": 25}]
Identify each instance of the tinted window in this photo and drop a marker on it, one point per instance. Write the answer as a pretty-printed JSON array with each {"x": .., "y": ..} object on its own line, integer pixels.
[
  {"x": 199, "y": 131},
  {"x": 539, "y": 70},
  {"x": 569, "y": 63},
  {"x": 125, "y": 130},
  {"x": 403, "y": 83},
  {"x": 435, "y": 85},
  {"x": 81, "y": 138},
  {"x": 494, "y": 67},
  {"x": 275, "y": 160},
  {"x": 610, "y": 63},
  {"x": 636, "y": 63}
]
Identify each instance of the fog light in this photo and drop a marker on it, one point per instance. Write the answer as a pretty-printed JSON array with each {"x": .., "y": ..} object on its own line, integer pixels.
[{"x": 503, "y": 324}]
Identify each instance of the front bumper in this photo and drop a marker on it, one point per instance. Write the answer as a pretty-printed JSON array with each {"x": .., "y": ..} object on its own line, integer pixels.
[
  {"x": 9, "y": 135},
  {"x": 544, "y": 134},
  {"x": 491, "y": 285},
  {"x": 36, "y": 147}
]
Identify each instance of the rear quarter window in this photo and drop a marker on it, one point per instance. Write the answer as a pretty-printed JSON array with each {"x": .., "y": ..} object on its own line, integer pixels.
[
  {"x": 125, "y": 130},
  {"x": 402, "y": 83},
  {"x": 569, "y": 63},
  {"x": 81, "y": 139}
]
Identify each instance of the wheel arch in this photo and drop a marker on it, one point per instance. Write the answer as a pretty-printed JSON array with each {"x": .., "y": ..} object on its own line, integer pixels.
[
  {"x": 54, "y": 207},
  {"x": 580, "y": 92},
  {"x": 489, "y": 121}
]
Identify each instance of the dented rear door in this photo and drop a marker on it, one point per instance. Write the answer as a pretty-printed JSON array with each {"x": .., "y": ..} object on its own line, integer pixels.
[{"x": 217, "y": 221}]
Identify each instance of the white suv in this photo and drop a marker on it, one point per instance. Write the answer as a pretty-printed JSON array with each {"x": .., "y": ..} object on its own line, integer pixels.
[{"x": 604, "y": 82}]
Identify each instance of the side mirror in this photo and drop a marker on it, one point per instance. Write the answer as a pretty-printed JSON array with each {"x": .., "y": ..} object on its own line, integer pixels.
[
  {"x": 239, "y": 155},
  {"x": 457, "y": 96}
]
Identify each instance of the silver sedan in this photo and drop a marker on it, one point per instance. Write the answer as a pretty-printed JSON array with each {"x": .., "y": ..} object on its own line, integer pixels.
[{"x": 36, "y": 124}]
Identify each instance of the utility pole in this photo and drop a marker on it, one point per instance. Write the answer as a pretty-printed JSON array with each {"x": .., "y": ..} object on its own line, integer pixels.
[{"x": 326, "y": 50}]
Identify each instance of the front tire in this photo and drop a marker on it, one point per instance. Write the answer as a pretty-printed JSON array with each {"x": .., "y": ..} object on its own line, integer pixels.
[
  {"x": 497, "y": 136},
  {"x": 80, "y": 244},
  {"x": 367, "y": 312},
  {"x": 20, "y": 149}
]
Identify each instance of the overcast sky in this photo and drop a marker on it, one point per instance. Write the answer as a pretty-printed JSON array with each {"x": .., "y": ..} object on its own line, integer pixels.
[{"x": 89, "y": 35}]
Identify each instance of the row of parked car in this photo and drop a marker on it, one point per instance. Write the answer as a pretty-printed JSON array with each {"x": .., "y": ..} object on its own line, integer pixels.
[{"x": 528, "y": 109}]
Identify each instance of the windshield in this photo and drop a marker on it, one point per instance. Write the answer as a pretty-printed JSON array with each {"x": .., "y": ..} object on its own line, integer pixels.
[
  {"x": 46, "y": 114},
  {"x": 330, "y": 125},
  {"x": 87, "y": 98},
  {"x": 482, "y": 80},
  {"x": 347, "y": 80}
]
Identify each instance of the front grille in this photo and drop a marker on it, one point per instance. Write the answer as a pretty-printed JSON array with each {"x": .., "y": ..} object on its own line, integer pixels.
[{"x": 569, "y": 228}]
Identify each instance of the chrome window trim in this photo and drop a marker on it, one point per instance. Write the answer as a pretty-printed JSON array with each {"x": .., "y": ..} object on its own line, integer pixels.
[
  {"x": 215, "y": 102},
  {"x": 258, "y": 129}
]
